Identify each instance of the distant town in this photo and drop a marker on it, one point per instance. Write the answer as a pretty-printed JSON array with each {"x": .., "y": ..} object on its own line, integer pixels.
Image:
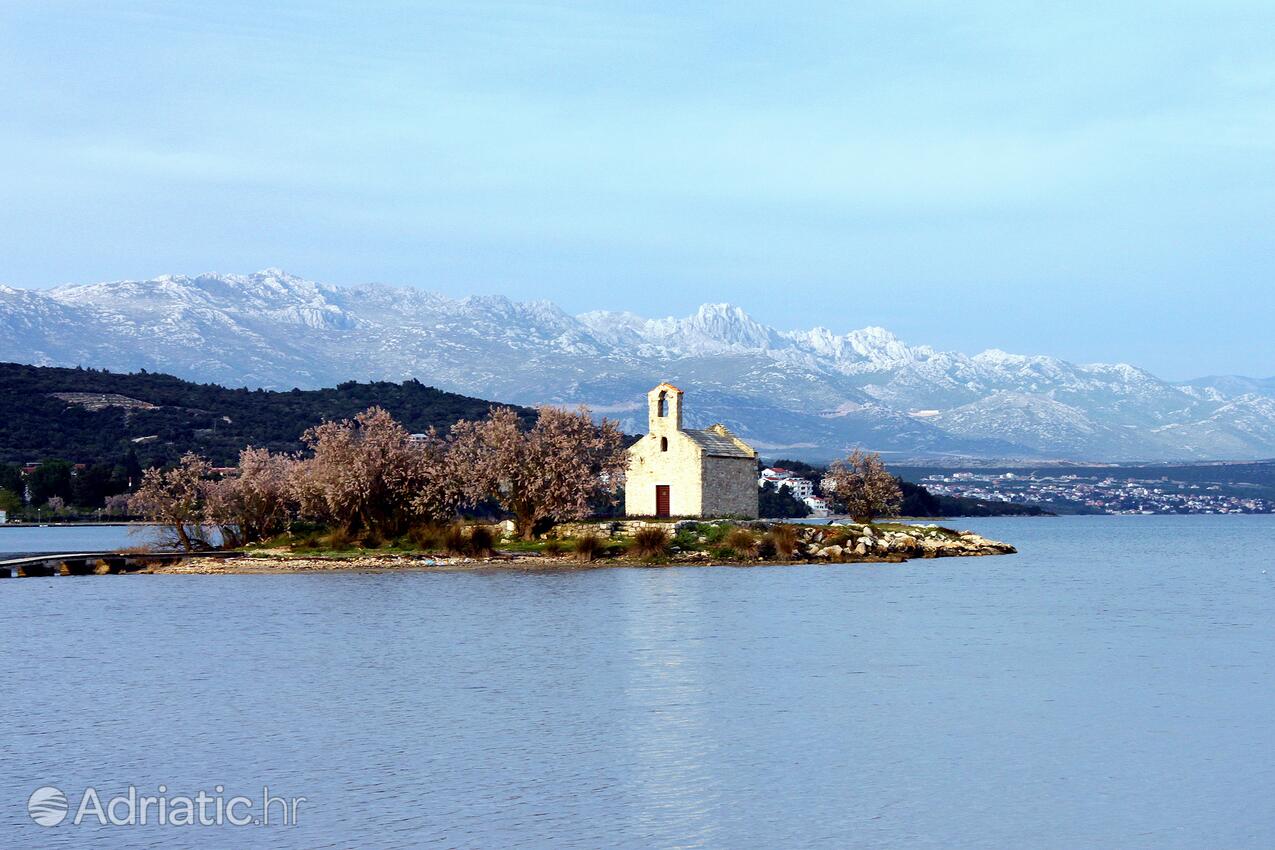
[{"x": 1144, "y": 491}]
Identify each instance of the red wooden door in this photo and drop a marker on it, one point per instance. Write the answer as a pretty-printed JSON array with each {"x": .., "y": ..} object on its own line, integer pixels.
[{"x": 661, "y": 500}]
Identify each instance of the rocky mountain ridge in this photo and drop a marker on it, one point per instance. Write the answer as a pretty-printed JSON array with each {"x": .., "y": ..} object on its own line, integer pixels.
[{"x": 810, "y": 393}]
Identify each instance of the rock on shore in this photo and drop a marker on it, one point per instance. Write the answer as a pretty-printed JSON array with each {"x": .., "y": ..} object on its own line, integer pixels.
[{"x": 852, "y": 540}]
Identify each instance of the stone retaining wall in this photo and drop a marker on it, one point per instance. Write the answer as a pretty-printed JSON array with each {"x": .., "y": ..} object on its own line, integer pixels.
[{"x": 621, "y": 527}]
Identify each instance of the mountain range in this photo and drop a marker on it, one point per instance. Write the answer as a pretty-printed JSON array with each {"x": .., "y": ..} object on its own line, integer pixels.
[{"x": 809, "y": 394}]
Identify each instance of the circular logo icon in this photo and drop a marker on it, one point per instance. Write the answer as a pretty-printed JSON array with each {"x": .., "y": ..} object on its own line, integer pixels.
[{"x": 47, "y": 806}]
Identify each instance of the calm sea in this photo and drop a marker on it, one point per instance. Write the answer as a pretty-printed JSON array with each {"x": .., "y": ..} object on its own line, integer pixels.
[
  {"x": 18, "y": 540},
  {"x": 1111, "y": 686}
]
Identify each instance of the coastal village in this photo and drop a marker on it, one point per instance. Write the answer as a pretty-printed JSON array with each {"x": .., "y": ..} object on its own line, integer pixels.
[{"x": 1102, "y": 492}]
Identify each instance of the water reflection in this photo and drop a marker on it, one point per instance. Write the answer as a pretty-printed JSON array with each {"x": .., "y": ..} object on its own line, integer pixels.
[
  {"x": 670, "y": 784},
  {"x": 1109, "y": 686}
]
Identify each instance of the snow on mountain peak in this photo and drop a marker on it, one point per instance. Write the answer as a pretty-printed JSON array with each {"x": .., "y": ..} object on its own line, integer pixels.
[
  {"x": 727, "y": 325},
  {"x": 997, "y": 357},
  {"x": 876, "y": 343},
  {"x": 271, "y": 296},
  {"x": 260, "y": 329}
]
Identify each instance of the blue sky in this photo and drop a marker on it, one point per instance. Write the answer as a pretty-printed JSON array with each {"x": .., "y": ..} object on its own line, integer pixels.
[{"x": 1091, "y": 182}]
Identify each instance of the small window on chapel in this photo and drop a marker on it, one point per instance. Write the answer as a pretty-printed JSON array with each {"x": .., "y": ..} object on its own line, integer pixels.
[
  {"x": 663, "y": 408},
  {"x": 663, "y": 444}
]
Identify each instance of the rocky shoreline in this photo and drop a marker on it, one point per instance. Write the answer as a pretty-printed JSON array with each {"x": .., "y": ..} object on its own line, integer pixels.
[
  {"x": 909, "y": 541},
  {"x": 833, "y": 544}
]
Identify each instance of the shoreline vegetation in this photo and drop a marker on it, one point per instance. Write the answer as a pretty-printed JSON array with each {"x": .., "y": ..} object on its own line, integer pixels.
[{"x": 601, "y": 544}]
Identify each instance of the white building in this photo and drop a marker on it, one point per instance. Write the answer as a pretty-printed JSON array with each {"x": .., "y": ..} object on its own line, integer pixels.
[
  {"x": 818, "y": 506},
  {"x": 779, "y": 477}
]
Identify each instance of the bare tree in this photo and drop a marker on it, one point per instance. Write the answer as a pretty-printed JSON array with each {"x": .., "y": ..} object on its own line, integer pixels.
[
  {"x": 368, "y": 473},
  {"x": 222, "y": 510},
  {"x": 175, "y": 498},
  {"x": 437, "y": 487},
  {"x": 254, "y": 504},
  {"x": 551, "y": 472},
  {"x": 862, "y": 483}
]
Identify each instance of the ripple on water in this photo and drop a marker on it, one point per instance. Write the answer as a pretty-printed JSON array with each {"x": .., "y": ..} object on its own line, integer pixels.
[{"x": 1109, "y": 686}]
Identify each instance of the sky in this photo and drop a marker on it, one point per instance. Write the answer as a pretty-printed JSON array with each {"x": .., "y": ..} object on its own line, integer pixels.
[{"x": 1094, "y": 181}]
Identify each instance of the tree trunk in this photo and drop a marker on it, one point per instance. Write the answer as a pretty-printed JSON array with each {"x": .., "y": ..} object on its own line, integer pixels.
[
  {"x": 183, "y": 537},
  {"x": 525, "y": 522}
]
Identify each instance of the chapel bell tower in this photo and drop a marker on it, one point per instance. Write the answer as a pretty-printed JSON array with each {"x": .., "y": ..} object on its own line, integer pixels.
[{"x": 664, "y": 409}]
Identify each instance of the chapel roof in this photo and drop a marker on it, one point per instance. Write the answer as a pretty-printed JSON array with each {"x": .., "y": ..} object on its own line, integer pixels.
[{"x": 717, "y": 444}]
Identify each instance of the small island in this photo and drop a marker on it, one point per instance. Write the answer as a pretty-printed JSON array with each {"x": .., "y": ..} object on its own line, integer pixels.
[
  {"x": 633, "y": 543},
  {"x": 561, "y": 491}
]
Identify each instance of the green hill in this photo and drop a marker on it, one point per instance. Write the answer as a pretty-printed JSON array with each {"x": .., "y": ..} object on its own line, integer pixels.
[{"x": 93, "y": 416}]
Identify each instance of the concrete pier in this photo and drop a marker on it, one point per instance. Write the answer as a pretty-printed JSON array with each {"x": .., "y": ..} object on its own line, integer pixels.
[{"x": 95, "y": 563}]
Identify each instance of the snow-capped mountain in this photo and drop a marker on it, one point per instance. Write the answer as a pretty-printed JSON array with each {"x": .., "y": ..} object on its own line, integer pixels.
[{"x": 809, "y": 393}]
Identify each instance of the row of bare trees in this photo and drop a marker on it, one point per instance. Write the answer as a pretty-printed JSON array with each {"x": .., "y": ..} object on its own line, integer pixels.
[{"x": 369, "y": 475}]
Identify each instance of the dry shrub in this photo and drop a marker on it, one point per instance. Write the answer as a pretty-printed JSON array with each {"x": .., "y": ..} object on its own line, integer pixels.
[
  {"x": 481, "y": 542},
  {"x": 338, "y": 540},
  {"x": 553, "y": 547},
  {"x": 454, "y": 540},
  {"x": 373, "y": 539},
  {"x": 588, "y": 547},
  {"x": 426, "y": 537},
  {"x": 649, "y": 543},
  {"x": 766, "y": 548},
  {"x": 785, "y": 539},
  {"x": 742, "y": 542},
  {"x": 477, "y": 542}
]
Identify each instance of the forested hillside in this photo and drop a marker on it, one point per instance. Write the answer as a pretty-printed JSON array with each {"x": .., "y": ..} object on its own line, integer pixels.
[{"x": 93, "y": 416}]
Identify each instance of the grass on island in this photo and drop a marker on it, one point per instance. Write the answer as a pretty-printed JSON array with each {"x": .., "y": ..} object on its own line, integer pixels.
[{"x": 718, "y": 540}]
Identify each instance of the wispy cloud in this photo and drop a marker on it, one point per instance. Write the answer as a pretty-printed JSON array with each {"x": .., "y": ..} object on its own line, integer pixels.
[{"x": 1027, "y": 155}]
